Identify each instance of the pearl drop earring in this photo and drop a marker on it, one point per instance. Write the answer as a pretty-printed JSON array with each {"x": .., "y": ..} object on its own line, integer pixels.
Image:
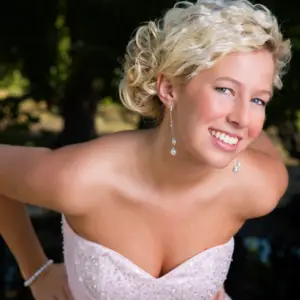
[
  {"x": 173, "y": 149},
  {"x": 236, "y": 166}
]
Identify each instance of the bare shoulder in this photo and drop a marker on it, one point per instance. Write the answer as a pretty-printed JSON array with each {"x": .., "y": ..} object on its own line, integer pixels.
[
  {"x": 106, "y": 152},
  {"x": 94, "y": 152},
  {"x": 263, "y": 180},
  {"x": 93, "y": 166}
]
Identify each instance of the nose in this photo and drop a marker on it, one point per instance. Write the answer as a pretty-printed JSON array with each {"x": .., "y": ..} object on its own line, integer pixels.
[{"x": 239, "y": 116}]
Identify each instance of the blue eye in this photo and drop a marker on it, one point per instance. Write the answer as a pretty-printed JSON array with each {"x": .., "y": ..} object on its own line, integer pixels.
[
  {"x": 258, "y": 101},
  {"x": 224, "y": 90}
]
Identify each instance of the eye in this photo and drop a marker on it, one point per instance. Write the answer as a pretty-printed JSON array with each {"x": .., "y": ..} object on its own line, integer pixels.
[
  {"x": 224, "y": 90},
  {"x": 258, "y": 101}
]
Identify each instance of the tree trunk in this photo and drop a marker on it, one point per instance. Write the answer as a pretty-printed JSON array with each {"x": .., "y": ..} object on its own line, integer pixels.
[{"x": 78, "y": 107}]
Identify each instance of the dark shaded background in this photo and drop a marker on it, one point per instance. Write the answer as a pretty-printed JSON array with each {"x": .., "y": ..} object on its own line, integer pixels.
[{"x": 59, "y": 67}]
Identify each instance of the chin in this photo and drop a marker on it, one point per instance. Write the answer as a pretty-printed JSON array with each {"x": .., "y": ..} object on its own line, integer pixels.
[
  {"x": 219, "y": 163},
  {"x": 213, "y": 160}
]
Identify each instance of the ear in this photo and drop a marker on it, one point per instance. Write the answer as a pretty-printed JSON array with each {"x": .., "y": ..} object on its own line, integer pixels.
[{"x": 165, "y": 89}]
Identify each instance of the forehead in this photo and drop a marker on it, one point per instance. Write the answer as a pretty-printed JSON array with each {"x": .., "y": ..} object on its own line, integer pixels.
[{"x": 252, "y": 69}]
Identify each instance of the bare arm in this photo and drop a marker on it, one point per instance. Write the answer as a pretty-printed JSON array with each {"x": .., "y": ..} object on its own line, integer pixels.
[
  {"x": 43, "y": 177},
  {"x": 67, "y": 180},
  {"x": 24, "y": 172},
  {"x": 19, "y": 234}
]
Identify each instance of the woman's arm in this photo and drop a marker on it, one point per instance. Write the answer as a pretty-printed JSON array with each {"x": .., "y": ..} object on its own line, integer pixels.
[
  {"x": 31, "y": 175},
  {"x": 45, "y": 178},
  {"x": 19, "y": 235},
  {"x": 18, "y": 232},
  {"x": 58, "y": 180}
]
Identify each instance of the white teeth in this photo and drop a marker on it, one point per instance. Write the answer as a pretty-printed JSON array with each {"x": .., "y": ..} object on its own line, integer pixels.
[{"x": 224, "y": 137}]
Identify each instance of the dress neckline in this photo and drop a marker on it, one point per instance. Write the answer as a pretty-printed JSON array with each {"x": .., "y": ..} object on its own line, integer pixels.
[{"x": 132, "y": 265}]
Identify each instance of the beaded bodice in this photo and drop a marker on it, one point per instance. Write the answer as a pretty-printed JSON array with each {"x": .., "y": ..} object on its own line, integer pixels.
[{"x": 99, "y": 273}]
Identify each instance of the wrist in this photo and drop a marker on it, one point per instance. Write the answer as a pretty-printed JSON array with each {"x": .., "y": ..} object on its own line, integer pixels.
[
  {"x": 30, "y": 266},
  {"x": 38, "y": 273}
]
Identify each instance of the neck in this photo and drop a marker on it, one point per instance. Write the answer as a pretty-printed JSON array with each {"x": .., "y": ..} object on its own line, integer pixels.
[{"x": 180, "y": 171}]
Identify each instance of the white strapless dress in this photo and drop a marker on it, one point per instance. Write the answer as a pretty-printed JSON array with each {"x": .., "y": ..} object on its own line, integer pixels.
[{"x": 99, "y": 273}]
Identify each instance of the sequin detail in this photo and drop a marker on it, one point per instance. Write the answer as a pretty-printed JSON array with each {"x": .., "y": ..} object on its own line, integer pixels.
[{"x": 98, "y": 273}]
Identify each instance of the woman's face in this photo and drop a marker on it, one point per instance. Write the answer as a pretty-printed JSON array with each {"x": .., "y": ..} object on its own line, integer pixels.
[{"x": 222, "y": 110}]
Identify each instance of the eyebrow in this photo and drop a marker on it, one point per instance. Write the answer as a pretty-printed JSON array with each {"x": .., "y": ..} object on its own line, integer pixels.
[{"x": 240, "y": 84}]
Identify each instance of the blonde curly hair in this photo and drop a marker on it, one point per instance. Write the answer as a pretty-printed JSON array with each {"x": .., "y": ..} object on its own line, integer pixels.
[{"x": 194, "y": 36}]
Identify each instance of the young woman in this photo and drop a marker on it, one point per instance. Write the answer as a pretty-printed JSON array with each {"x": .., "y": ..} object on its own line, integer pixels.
[{"x": 152, "y": 214}]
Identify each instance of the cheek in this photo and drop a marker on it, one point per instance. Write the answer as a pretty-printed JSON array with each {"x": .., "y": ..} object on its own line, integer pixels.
[
  {"x": 189, "y": 120},
  {"x": 198, "y": 111},
  {"x": 256, "y": 126},
  {"x": 209, "y": 109}
]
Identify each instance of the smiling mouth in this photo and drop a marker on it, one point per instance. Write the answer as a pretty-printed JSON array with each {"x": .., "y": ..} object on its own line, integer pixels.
[{"x": 224, "y": 137}]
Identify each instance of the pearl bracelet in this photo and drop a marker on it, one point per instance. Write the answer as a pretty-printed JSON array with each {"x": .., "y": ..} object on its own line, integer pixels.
[{"x": 30, "y": 280}]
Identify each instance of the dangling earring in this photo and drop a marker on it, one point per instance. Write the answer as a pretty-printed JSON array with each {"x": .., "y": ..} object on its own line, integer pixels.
[
  {"x": 173, "y": 149},
  {"x": 236, "y": 166}
]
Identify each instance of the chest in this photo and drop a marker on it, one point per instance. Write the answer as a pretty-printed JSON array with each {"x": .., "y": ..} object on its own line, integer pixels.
[
  {"x": 97, "y": 272},
  {"x": 157, "y": 239}
]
